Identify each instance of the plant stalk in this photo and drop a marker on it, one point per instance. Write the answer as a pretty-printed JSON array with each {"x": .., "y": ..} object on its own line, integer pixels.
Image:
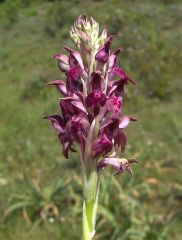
[{"x": 90, "y": 204}]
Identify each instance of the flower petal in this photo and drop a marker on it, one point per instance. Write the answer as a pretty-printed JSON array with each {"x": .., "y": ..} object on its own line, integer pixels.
[
  {"x": 57, "y": 122},
  {"x": 116, "y": 88},
  {"x": 120, "y": 140},
  {"x": 97, "y": 82},
  {"x": 61, "y": 86},
  {"x": 79, "y": 105},
  {"x": 125, "y": 120},
  {"x": 95, "y": 98},
  {"x": 77, "y": 128},
  {"x": 114, "y": 162},
  {"x": 103, "y": 53},
  {"x": 74, "y": 82},
  {"x": 63, "y": 61},
  {"x": 119, "y": 164},
  {"x": 114, "y": 106},
  {"x": 74, "y": 56},
  {"x": 66, "y": 148},
  {"x": 122, "y": 74},
  {"x": 114, "y": 60},
  {"x": 110, "y": 127},
  {"x": 102, "y": 146}
]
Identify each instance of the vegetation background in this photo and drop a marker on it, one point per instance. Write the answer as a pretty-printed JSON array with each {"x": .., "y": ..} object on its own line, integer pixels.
[{"x": 40, "y": 191}]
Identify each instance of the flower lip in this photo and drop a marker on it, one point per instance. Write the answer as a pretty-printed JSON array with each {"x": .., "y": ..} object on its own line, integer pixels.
[
  {"x": 77, "y": 128},
  {"x": 66, "y": 147},
  {"x": 101, "y": 146},
  {"x": 120, "y": 140},
  {"x": 95, "y": 98},
  {"x": 97, "y": 81},
  {"x": 114, "y": 106}
]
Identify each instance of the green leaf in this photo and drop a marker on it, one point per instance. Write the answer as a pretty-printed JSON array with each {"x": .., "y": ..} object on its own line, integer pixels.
[
  {"x": 92, "y": 186},
  {"x": 17, "y": 206},
  {"x": 109, "y": 215},
  {"x": 86, "y": 231}
]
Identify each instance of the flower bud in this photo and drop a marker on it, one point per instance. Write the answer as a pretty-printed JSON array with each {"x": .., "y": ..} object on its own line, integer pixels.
[
  {"x": 95, "y": 29},
  {"x": 75, "y": 37},
  {"x": 85, "y": 34},
  {"x": 102, "y": 39}
]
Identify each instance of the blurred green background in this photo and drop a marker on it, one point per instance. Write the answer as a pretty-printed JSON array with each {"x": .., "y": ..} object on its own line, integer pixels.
[{"x": 40, "y": 191}]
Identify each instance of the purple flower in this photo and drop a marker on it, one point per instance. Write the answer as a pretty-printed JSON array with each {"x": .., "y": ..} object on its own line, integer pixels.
[
  {"x": 72, "y": 106},
  {"x": 103, "y": 54},
  {"x": 113, "y": 128},
  {"x": 116, "y": 88},
  {"x": 125, "y": 120},
  {"x": 113, "y": 60},
  {"x": 119, "y": 165},
  {"x": 114, "y": 106},
  {"x": 120, "y": 140},
  {"x": 93, "y": 93},
  {"x": 119, "y": 72},
  {"x": 96, "y": 99},
  {"x": 74, "y": 79},
  {"x": 63, "y": 62},
  {"x": 61, "y": 86},
  {"x": 75, "y": 58},
  {"x": 77, "y": 128},
  {"x": 59, "y": 125},
  {"x": 97, "y": 82},
  {"x": 101, "y": 146}
]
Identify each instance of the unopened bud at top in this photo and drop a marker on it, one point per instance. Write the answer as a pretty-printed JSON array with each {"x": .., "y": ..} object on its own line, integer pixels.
[
  {"x": 85, "y": 34},
  {"x": 102, "y": 39}
]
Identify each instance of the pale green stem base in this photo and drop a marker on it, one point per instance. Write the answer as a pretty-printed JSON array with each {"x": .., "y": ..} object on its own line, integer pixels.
[{"x": 90, "y": 207}]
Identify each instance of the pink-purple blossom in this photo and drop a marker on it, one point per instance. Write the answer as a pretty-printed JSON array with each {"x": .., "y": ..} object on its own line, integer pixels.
[{"x": 92, "y": 92}]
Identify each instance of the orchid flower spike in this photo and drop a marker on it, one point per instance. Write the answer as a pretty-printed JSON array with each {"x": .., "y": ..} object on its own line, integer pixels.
[{"x": 92, "y": 109}]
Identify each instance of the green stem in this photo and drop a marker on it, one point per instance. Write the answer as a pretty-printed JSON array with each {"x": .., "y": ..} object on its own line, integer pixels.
[{"x": 90, "y": 206}]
